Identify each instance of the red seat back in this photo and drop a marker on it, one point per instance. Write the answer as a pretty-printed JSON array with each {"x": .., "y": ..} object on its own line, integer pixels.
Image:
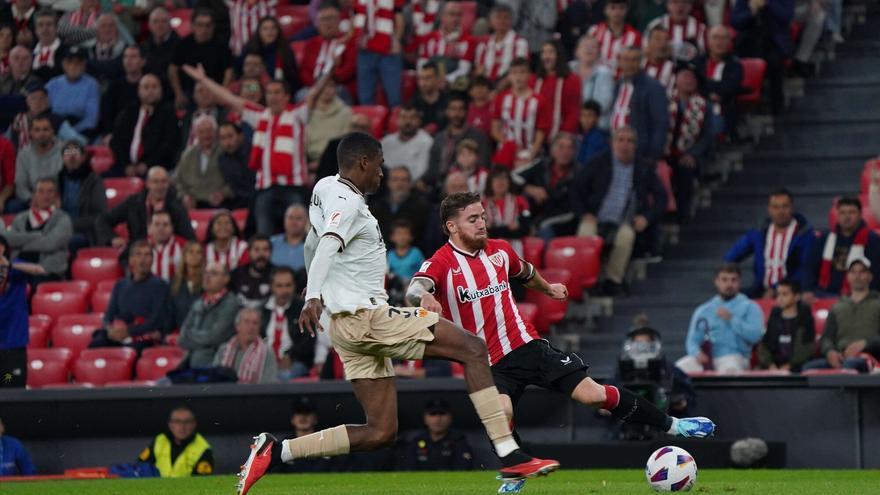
[
  {"x": 298, "y": 48},
  {"x": 101, "y": 296},
  {"x": 376, "y": 114},
  {"x": 550, "y": 311},
  {"x": 7, "y": 219},
  {"x": 409, "y": 85},
  {"x": 581, "y": 256},
  {"x": 468, "y": 15},
  {"x": 240, "y": 216},
  {"x": 48, "y": 366},
  {"x": 74, "y": 332},
  {"x": 102, "y": 158},
  {"x": 99, "y": 366},
  {"x": 156, "y": 362},
  {"x": 753, "y": 79},
  {"x": 119, "y": 188},
  {"x": 767, "y": 306},
  {"x": 57, "y": 304},
  {"x": 821, "y": 308},
  {"x": 533, "y": 250},
  {"x": 95, "y": 269},
  {"x": 38, "y": 328},
  {"x": 181, "y": 21},
  {"x": 293, "y": 18},
  {"x": 199, "y": 220},
  {"x": 78, "y": 286},
  {"x": 392, "y": 121}
]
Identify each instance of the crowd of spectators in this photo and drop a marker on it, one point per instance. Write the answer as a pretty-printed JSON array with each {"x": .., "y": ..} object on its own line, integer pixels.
[{"x": 563, "y": 115}]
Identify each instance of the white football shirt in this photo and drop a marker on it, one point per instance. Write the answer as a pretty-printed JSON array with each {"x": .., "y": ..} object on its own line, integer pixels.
[{"x": 356, "y": 279}]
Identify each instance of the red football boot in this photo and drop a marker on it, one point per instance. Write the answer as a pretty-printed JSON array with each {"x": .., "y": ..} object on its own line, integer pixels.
[
  {"x": 258, "y": 462},
  {"x": 530, "y": 469}
]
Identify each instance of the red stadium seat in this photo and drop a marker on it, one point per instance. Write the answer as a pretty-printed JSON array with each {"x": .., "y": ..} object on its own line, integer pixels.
[
  {"x": 821, "y": 308},
  {"x": 102, "y": 158},
  {"x": 99, "y": 366},
  {"x": 240, "y": 216},
  {"x": 199, "y": 220},
  {"x": 581, "y": 256},
  {"x": 293, "y": 18},
  {"x": 79, "y": 286},
  {"x": 820, "y": 372},
  {"x": 767, "y": 306},
  {"x": 298, "y": 48},
  {"x": 95, "y": 269},
  {"x": 119, "y": 188},
  {"x": 376, "y": 114},
  {"x": 468, "y": 15},
  {"x": 38, "y": 328},
  {"x": 533, "y": 250},
  {"x": 101, "y": 296},
  {"x": 871, "y": 169},
  {"x": 131, "y": 384},
  {"x": 409, "y": 85},
  {"x": 181, "y": 21},
  {"x": 753, "y": 79},
  {"x": 48, "y": 366},
  {"x": 528, "y": 312},
  {"x": 392, "y": 121},
  {"x": 74, "y": 332},
  {"x": 550, "y": 311},
  {"x": 57, "y": 304},
  {"x": 156, "y": 362}
]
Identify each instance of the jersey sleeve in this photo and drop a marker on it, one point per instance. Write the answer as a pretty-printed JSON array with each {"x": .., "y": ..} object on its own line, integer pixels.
[
  {"x": 435, "y": 270},
  {"x": 516, "y": 264},
  {"x": 341, "y": 219}
]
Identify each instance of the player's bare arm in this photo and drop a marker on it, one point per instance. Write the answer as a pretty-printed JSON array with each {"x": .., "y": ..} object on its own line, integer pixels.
[
  {"x": 421, "y": 293},
  {"x": 537, "y": 282}
]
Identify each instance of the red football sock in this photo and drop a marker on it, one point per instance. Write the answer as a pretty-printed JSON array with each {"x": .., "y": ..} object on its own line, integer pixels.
[{"x": 612, "y": 397}]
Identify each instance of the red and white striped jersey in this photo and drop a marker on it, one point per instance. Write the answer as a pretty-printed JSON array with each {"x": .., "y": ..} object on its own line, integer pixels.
[
  {"x": 278, "y": 146},
  {"x": 451, "y": 45},
  {"x": 166, "y": 257},
  {"x": 691, "y": 31},
  {"x": 776, "y": 251},
  {"x": 520, "y": 117},
  {"x": 235, "y": 255},
  {"x": 496, "y": 56},
  {"x": 374, "y": 24},
  {"x": 560, "y": 93},
  {"x": 244, "y": 16},
  {"x": 610, "y": 45},
  {"x": 474, "y": 291},
  {"x": 664, "y": 73},
  {"x": 424, "y": 14},
  {"x": 622, "y": 103},
  {"x": 505, "y": 211}
]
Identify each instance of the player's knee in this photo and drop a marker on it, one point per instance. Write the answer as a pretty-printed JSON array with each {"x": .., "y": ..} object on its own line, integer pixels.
[{"x": 476, "y": 349}]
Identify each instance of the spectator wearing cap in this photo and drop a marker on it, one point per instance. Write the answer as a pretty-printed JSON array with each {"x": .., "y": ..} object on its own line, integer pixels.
[
  {"x": 146, "y": 133},
  {"x": 39, "y": 159},
  {"x": 246, "y": 353},
  {"x": 199, "y": 181},
  {"x": 690, "y": 135},
  {"x": 437, "y": 447},
  {"x": 304, "y": 420},
  {"x": 41, "y": 234},
  {"x": 14, "y": 308},
  {"x": 37, "y": 101},
  {"x": 49, "y": 48},
  {"x": 82, "y": 194},
  {"x": 293, "y": 350},
  {"x": 75, "y": 95},
  {"x": 139, "y": 312},
  {"x": 124, "y": 89},
  {"x": 824, "y": 274},
  {"x": 410, "y": 146},
  {"x": 209, "y": 322},
  {"x": 783, "y": 228},
  {"x": 723, "y": 74},
  {"x": 723, "y": 329},
  {"x": 444, "y": 148},
  {"x": 851, "y": 339}
]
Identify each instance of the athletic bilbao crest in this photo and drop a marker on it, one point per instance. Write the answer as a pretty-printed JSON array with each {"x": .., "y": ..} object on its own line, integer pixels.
[{"x": 497, "y": 259}]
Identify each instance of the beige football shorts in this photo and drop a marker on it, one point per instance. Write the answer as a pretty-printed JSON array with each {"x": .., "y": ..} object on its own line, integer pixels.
[{"x": 367, "y": 340}]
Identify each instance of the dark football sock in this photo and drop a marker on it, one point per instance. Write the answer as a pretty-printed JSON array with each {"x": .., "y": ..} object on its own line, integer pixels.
[
  {"x": 629, "y": 407},
  {"x": 514, "y": 458}
]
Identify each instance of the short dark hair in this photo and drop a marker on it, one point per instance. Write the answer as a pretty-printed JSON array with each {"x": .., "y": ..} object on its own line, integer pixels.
[
  {"x": 456, "y": 96},
  {"x": 593, "y": 106},
  {"x": 235, "y": 126},
  {"x": 202, "y": 13},
  {"x": 782, "y": 192},
  {"x": 182, "y": 407},
  {"x": 793, "y": 285},
  {"x": 728, "y": 268},
  {"x": 520, "y": 62},
  {"x": 501, "y": 8},
  {"x": 329, "y": 4},
  {"x": 482, "y": 81},
  {"x": 849, "y": 201},
  {"x": 626, "y": 2},
  {"x": 46, "y": 12},
  {"x": 401, "y": 223},
  {"x": 140, "y": 243},
  {"x": 47, "y": 180},
  {"x": 285, "y": 86},
  {"x": 43, "y": 116},
  {"x": 280, "y": 270},
  {"x": 355, "y": 145},
  {"x": 453, "y": 204},
  {"x": 430, "y": 64},
  {"x": 657, "y": 28},
  {"x": 258, "y": 238},
  {"x": 137, "y": 47},
  {"x": 160, "y": 212}
]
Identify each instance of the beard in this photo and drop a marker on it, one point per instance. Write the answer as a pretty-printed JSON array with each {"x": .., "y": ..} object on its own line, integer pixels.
[{"x": 474, "y": 243}]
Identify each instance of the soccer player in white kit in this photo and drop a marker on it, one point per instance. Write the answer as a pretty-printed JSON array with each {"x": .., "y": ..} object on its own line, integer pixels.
[{"x": 346, "y": 257}]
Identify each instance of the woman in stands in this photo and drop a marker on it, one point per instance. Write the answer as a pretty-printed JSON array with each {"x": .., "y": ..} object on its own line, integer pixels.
[
  {"x": 507, "y": 214},
  {"x": 270, "y": 44},
  {"x": 186, "y": 287},
  {"x": 224, "y": 244}
]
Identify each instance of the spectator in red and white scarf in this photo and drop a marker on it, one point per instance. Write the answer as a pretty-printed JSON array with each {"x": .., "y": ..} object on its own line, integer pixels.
[
  {"x": 20, "y": 15},
  {"x": 293, "y": 350},
  {"x": 246, "y": 353},
  {"x": 824, "y": 273},
  {"x": 49, "y": 48},
  {"x": 167, "y": 247},
  {"x": 332, "y": 45},
  {"x": 245, "y": 15},
  {"x": 379, "y": 27},
  {"x": 224, "y": 244},
  {"x": 723, "y": 74},
  {"x": 41, "y": 233},
  {"x": 78, "y": 26}
]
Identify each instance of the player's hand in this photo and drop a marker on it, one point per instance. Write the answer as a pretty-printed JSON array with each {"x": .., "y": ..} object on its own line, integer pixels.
[
  {"x": 855, "y": 348},
  {"x": 430, "y": 303},
  {"x": 310, "y": 317},
  {"x": 724, "y": 314},
  {"x": 557, "y": 291}
]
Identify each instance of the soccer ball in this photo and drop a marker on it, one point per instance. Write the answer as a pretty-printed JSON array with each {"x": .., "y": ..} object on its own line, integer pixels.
[{"x": 671, "y": 469}]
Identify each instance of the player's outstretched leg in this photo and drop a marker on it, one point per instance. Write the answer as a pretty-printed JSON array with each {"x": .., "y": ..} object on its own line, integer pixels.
[
  {"x": 629, "y": 407},
  {"x": 454, "y": 344},
  {"x": 378, "y": 397}
]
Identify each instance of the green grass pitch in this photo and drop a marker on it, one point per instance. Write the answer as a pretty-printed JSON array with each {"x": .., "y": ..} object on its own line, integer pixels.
[{"x": 567, "y": 482}]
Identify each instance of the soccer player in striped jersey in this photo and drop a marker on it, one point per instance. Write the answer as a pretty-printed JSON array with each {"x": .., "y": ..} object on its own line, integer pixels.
[{"x": 468, "y": 282}]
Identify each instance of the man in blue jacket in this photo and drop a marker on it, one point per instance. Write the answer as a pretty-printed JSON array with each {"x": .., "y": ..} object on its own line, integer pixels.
[
  {"x": 723, "y": 329},
  {"x": 780, "y": 248},
  {"x": 640, "y": 102},
  {"x": 14, "y": 459}
]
